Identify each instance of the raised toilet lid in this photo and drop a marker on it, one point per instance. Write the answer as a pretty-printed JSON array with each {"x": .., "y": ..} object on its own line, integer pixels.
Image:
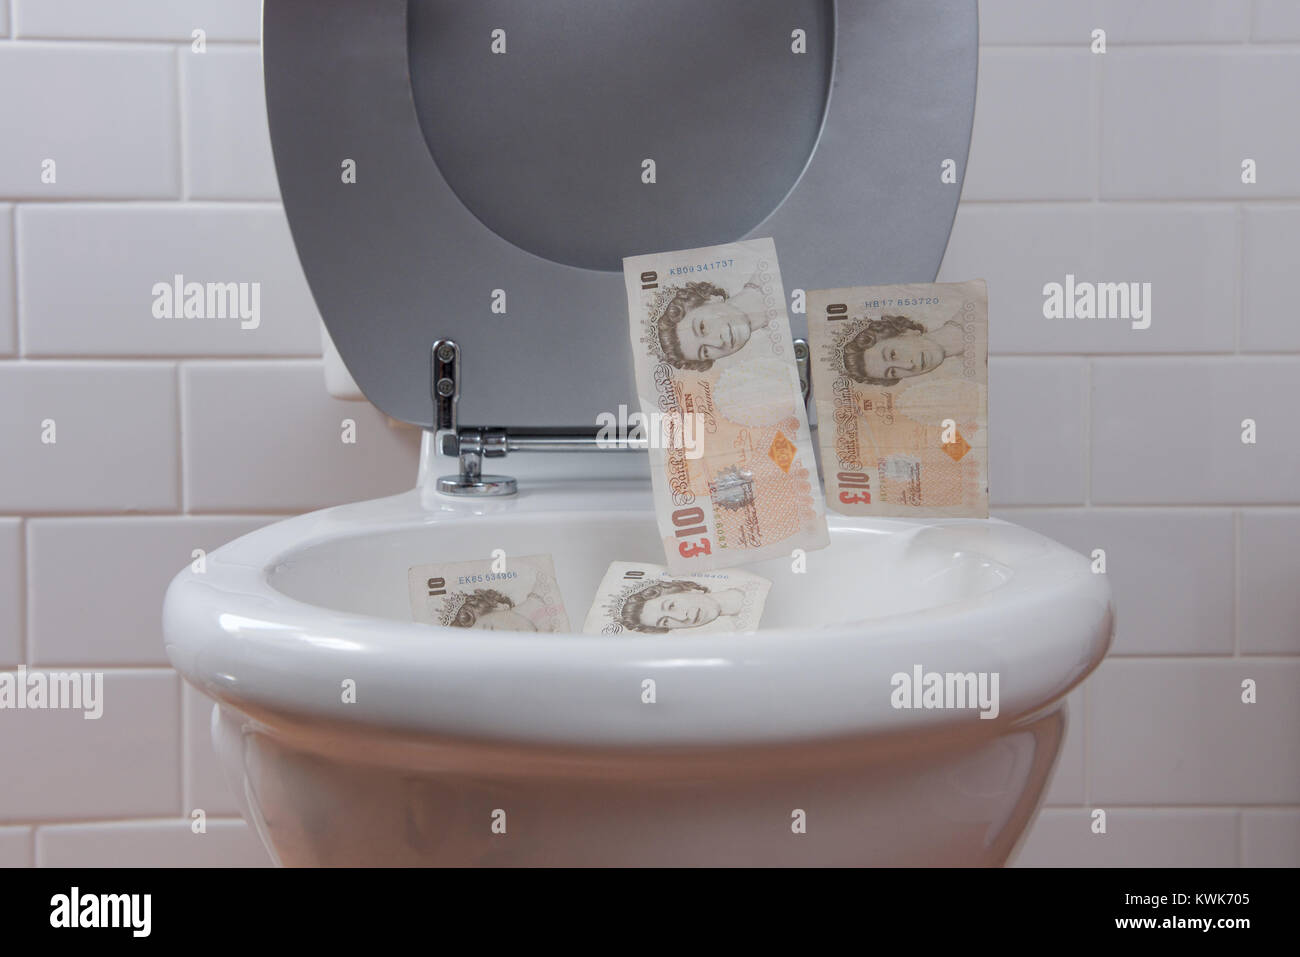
[{"x": 499, "y": 149}]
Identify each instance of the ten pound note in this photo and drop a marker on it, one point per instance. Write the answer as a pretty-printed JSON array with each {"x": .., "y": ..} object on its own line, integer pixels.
[
  {"x": 505, "y": 594},
  {"x": 731, "y": 456},
  {"x": 900, "y": 374},
  {"x": 636, "y": 597}
]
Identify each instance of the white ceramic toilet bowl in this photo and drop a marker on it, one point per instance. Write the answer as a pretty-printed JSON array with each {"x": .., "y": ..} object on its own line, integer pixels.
[{"x": 779, "y": 747}]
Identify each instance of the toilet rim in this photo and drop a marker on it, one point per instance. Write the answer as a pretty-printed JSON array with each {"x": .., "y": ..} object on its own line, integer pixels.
[{"x": 239, "y": 639}]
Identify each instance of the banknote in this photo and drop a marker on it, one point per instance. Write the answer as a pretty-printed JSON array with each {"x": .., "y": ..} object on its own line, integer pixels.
[
  {"x": 505, "y": 593},
  {"x": 731, "y": 456},
  {"x": 900, "y": 377},
  {"x": 640, "y": 598}
]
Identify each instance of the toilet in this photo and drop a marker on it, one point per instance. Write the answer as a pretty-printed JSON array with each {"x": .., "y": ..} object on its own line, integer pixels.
[{"x": 462, "y": 181}]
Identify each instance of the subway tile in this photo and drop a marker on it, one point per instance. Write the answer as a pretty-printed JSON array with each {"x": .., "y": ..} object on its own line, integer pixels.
[
  {"x": 119, "y": 253},
  {"x": 106, "y": 117},
  {"x": 16, "y": 847},
  {"x": 1268, "y": 612},
  {"x": 150, "y": 844},
  {"x": 118, "y": 570},
  {"x": 1170, "y": 572},
  {"x": 1187, "y": 253},
  {"x": 1032, "y": 21},
  {"x": 1154, "y": 145},
  {"x": 1169, "y": 431},
  {"x": 1178, "y": 732},
  {"x": 1036, "y": 451},
  {"x": 1174, "y": 21},
  {"x": 1276, "y": 20},
  {"x": 1271, "y": 239},
  {"x": 265, "y": 435},
  {"x": 4, "y": 18},
  {"x": 115, "y": 432},
  {"x": 1034, "y": 135},
  {"x": 1067, "y": 784},
  {"x": 11, "y": 592},
  {"x": 227, "y": 143},
  {"x": 8, "y": 315},
  {"x": 205, "y": 783},
  {"x": 1135, "y": 837},
  {"x": 1270, "y": 838},
  {"x": 126, "y": 763},
  {"x": 138, "y": 19},
  {"x": 1018, "y": 249}
]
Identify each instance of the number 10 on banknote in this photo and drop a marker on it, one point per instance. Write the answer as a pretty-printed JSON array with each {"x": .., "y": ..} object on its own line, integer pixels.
[
  {"x": 731, "y": 455},
  {"x": 900, "y": 375}
]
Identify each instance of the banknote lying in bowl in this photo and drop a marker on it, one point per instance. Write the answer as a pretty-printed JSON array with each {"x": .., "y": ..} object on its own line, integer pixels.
[
  {"x": 900, "y": 378},
  {"x": 643, "y": 598},
  {"x": 731, "y": 456},
  {"x": 506, "y": 593}
]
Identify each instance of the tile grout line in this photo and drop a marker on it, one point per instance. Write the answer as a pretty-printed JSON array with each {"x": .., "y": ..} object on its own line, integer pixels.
[
  {"x": 182, "y": 496},
  {"x": 186, "y": 795},
  {"x": 28, "y": 583},
  {"x": 1236, "y": 582},
  {"x": 1240, "y": 298},
  {"x": 182, "y": 124}
]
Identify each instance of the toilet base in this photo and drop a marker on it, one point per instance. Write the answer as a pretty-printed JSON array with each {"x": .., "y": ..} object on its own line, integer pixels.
[{"x": 341, "y": 799}]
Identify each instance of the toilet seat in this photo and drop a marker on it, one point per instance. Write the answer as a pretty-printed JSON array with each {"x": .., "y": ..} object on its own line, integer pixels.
[{"x": 397, "y": 260}]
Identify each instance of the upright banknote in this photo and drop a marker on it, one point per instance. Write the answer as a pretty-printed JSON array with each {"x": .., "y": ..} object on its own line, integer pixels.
[
  {"x": 900, "y": 375},
  {"x": 508, "y": 593},
  {"x": 640, "y": 598},
  {"x": 731, "y": 456}
]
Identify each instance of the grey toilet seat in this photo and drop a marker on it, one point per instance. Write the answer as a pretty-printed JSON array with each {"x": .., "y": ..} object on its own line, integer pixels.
[{"x": 461, "y": 191}]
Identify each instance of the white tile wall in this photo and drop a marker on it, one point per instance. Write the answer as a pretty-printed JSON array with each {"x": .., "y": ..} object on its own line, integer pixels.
[
  {"x": 260, "y": 436},
  {"x": 1178, "y": 732},
  {"x": 109, "y": 309},
  {"x": 1178, "y": 124},
  {"x": 1043, "y": 398},
  {"x": 1188, "y": 253},
  {"x": 8, "y": 312},
  {"x": 1271, "y": 236},
  {"x": 1276, "y": 20},
  {"x": 1031, "y": 137},
  {"x": 1268, "y": 613},
  {"x": 12, "y": 576},
  {"x": 124, "y": 764},
  {"x": 229, "y": 149},
  {"x": 138, "y": 19},
  {"x": 1173, "y": 21},
  {"x": 1270, "y": 838},
  {"x": 111, "y": 616},
  {"x": 1134, "y": 838},
  {"x": 1167, "y": 569},
  {"x": 1032, "y": 21},
  {"x": 225, "y": 843},
  {"x": 1170, "y": 430},
  {"x": 89, "y": 95},
  {"x": 116, "y": 446},
  {"x": 1118, "y": 167},
  {"x": 16, "y": 847}
]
